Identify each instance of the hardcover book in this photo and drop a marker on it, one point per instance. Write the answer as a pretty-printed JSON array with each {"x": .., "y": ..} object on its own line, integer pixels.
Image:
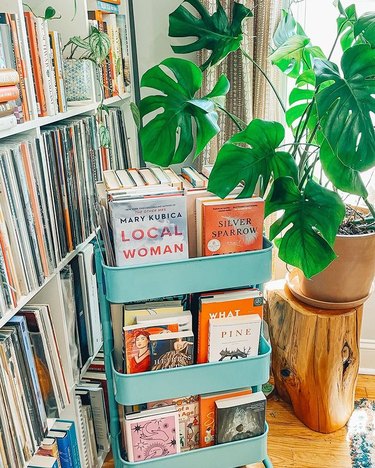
[
  {"x": 221, "y": 305},
  {"x": 207, "y": 412},
  {"x": 173, "y": 350},
  {"x": 137, "y": 345},
  {"x": 230, "y": 226},
  {"x": 152, "y": 435},
  {"x": 188, "y": 417},
  {"x": 240, "y": 417},
  {"x": 234, "y": 338},
  {"x": 149, "y": 230}
]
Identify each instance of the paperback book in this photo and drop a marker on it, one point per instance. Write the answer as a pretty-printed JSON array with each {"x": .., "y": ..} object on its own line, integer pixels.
[
  {"x": 234, "y": 338},
  {"x": 152, "y": 434},
  {"x": 137, "y": 345},
  {"x": 188, "y": 418},
  {"x": 149, "y": 230},
  {"x": 240, "y": 417},
  {"x": 172, "y": 350}
]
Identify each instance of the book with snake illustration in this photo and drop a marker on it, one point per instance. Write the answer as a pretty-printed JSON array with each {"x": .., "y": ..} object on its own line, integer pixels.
[{"x": 152, "y": 434}]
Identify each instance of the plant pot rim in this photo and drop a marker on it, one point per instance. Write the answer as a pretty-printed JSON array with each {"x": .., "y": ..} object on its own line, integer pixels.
[{"x": 369, "y": 234}]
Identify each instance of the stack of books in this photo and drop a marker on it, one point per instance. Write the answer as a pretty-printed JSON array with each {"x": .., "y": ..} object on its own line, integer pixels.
[
  {"x": 209, "y": 225},
  {"x": 59, "y": 448},
  {"x": 47, "y": 65},
  {"x": 16, "y": 90},
  {"x": 167, "y": 427},
  {"x": 115, "y": 74},
  {"x": 9, "y": 94}
]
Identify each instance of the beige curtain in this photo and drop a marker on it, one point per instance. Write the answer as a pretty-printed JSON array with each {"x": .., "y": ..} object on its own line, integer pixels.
[{"x": 250, "y": 95}]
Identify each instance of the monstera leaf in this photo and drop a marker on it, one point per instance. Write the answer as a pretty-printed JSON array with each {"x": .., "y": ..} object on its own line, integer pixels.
[
  {"x": 214, "y": 32},
  {"x": 343, "y": 177},
  {"x": 168, "y": 138},
  {"x": 259, "y": 158},
  {"x": 311, "y": 219},
  {"x": 299, "y": 99},
  {"x": 293, "y": 52},
  {"x": 345, "y": 25},
  {"x": 366, "y": 26},
  {"x": 345, "y": 107}
]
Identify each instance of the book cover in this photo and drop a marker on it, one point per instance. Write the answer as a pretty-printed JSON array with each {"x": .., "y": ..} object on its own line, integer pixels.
[
  {"x": 232, "y": 226},
  {"x": 233, "y": 338},
  {"x": 173, "y": 350},
  {"x": 221, "y": 305},
  {"x": 188, "y": 418},
  {"x": 137, "y": 341},
  {"x": 69, "y": 427},
  {"x": 240, "y": 417},
  {"x": 149, "y": 230},
  {"x": 65, "y": 450},
  {"x": 207, "y": 413},
  {"x": 48, "y": 448},
  {"x": 43, "y": 461},
  {"x": 152, "y": 436},
  {"x": 191, "y": 207}
]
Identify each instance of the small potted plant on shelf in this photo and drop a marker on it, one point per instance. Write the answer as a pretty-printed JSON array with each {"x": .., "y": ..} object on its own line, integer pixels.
[{"x": 330, "y": 115}]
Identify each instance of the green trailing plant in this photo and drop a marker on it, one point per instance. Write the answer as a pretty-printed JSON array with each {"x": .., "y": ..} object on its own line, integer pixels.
[
  {"x": 329, "y": 112},
  {"x": 95, "y": 47},
  {"x": 49, "y": 13}
]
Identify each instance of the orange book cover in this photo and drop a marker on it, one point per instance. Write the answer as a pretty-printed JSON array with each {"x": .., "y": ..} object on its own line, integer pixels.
[
  {"x": 207, "y": 419},
  {"x": 137, "y": 345},
  {"x": 35, "y": 62},
  {"x": 9, "y": 93},
  {"x": 221, "y": 305},
  {"x": 231, "y": 226},
  {"x": 31, "y": 186}
]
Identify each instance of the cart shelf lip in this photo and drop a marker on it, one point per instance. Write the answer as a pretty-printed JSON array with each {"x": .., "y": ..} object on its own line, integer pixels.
[
  {"x": 138, "y": 282},
  {"x": 197, "y": 379},
  {"x": 227, "y": 455}
]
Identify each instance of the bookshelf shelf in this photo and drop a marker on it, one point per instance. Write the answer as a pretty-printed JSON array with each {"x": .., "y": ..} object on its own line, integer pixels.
[
  {"x": 165, "y": 279},
  {"x": 26, "y": 299}
]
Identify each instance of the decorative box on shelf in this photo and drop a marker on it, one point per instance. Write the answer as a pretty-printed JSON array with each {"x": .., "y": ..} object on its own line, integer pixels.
[{"x": 141, "y": 282}]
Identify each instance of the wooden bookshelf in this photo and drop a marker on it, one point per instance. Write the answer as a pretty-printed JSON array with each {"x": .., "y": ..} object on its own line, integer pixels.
[{"x": 71, "y": 23}]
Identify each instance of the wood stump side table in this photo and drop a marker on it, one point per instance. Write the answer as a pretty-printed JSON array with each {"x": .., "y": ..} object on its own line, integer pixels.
[{"x": 315, "y": 359}]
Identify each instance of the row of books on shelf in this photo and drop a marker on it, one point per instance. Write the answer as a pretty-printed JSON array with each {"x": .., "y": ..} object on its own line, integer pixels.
[
  {"x": 216, "y": 326},
  {"x": 50, "y": 86},
  {"x": 151, "y": 215},
  {"x": 115, "y": 79},
  {"x": 47, "y": 201},
  {"x": 168, "y": 427}
]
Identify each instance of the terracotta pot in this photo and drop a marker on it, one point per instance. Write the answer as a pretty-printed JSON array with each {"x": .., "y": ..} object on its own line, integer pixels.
[{"x": 349, "y": 277}]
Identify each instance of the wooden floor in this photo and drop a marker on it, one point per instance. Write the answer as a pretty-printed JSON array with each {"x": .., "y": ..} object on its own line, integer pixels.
[{"x": 291, "y": 444}]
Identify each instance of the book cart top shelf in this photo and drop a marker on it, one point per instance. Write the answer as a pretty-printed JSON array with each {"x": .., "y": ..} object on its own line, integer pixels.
[{"x": 125, "y": 284}]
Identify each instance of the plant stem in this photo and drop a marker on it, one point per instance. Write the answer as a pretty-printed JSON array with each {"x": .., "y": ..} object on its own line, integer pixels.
[
  {"x": 266, "y": 77},
  {"x": 237, "y": 121},
  {"x": 370, "y": 207}
]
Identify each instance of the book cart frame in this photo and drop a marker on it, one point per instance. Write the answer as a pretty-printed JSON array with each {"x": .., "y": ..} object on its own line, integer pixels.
[{"x": 141, "y": 282}]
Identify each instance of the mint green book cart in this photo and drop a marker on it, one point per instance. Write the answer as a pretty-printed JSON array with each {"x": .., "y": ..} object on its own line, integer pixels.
[{"x": 125, "y": 284}]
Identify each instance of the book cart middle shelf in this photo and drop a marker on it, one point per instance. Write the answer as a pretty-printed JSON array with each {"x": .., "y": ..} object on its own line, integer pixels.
[{"x": 124, "y": 284}]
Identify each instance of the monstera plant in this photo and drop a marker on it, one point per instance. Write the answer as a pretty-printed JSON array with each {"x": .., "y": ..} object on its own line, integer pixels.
[{"x": 330, "y": 113}]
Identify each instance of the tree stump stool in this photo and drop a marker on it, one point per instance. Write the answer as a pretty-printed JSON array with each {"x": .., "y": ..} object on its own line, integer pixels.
[{"x": 315, "y": 359}]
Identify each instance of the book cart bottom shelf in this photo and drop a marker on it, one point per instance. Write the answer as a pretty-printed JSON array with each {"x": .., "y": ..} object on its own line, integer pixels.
[
  {"x": 126, "y": 389},
  {"x": 229, "y": 455}
]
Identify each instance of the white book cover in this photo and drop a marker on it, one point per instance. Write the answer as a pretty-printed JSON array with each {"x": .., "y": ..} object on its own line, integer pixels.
[
  {"x": 149, "y": 230},
  {"x": 233, "y": 337}
]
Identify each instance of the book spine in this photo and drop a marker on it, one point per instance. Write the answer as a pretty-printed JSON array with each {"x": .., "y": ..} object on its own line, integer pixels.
[
  {"x": 8, "y": 77},
  {"x": 7, "y": 122},
  {"x": 73, "y": 443},
  {"x": 65, "y": 452},
  {"x": 20, "y": 69},
  {"x": 55, "y": 39},
  {"x": 9, "y": 93},
  {"x": 45, "y": 65},
  {"x": 50, "y": 67},
  {"x": 36, "y": 64},
  {"x": 82, "y": 432}
]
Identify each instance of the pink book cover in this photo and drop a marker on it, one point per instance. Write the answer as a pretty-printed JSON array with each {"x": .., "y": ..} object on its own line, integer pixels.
[{"x": 152, "y": 437}]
